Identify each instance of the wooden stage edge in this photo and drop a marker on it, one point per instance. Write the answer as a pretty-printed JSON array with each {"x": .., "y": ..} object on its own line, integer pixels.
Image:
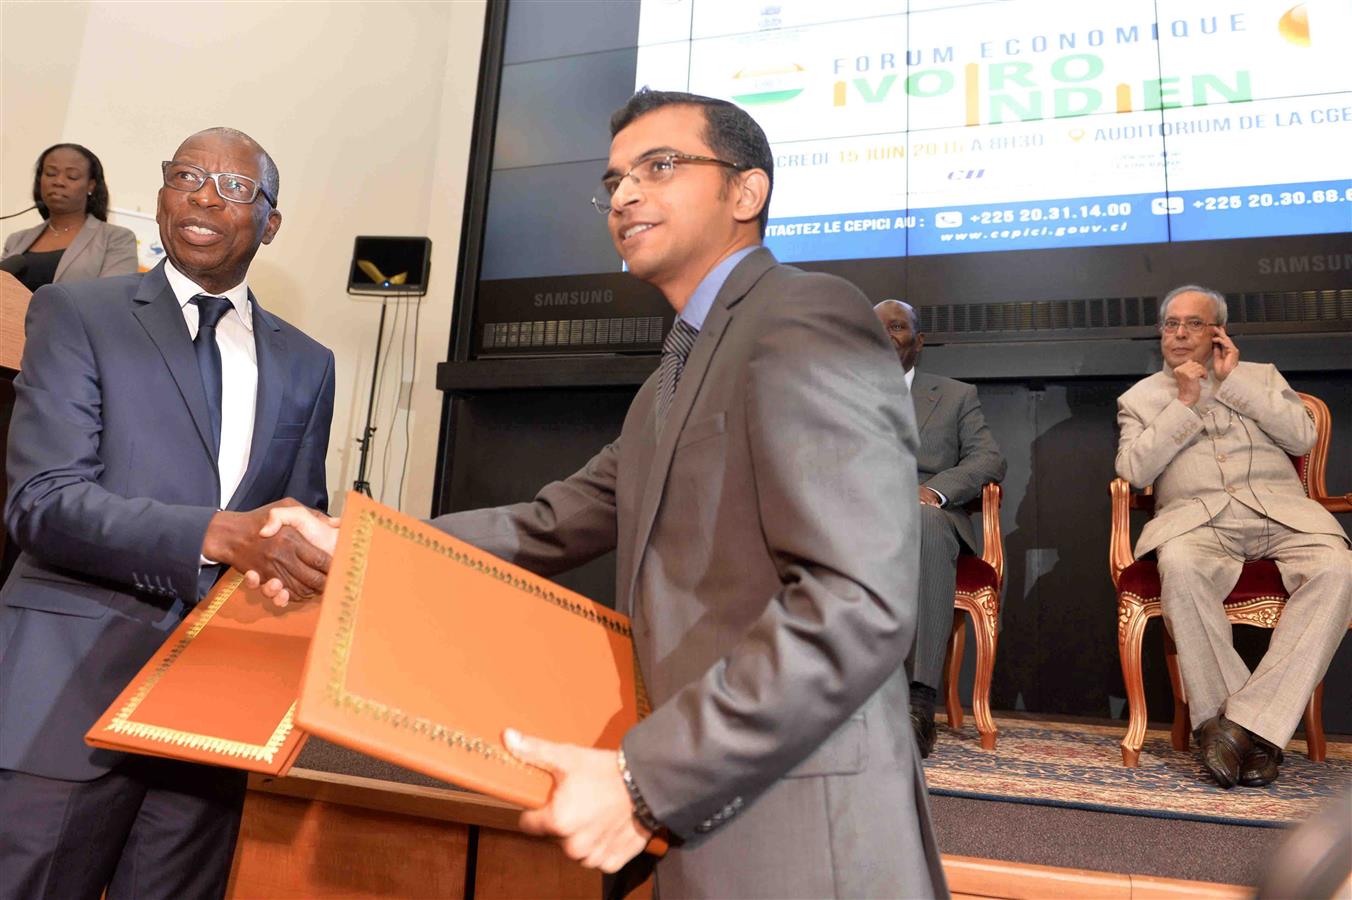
[{"x": 324, "y": 835}]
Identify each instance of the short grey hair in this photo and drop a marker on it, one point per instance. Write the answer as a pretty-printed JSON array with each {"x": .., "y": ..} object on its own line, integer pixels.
[
  {"x": 910, "y": 310},
  {"x": 1217, "y": 300}
]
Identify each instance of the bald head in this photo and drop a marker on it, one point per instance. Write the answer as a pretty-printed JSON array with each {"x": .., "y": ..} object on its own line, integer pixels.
[
  {"x": 268, "y": 175},
  {"x": 902, "y": 327},
  {"x": 209, "y": 237}
]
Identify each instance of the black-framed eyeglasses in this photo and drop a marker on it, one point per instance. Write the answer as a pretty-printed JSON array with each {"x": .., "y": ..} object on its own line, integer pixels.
[
  {"x": 188, "y": 178},
  {"x": 1191, "y": 325},
  {"x": 652, "y": 170}
]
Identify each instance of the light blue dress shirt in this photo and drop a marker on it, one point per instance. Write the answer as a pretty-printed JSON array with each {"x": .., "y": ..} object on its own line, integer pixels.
[{"x": 697, "y": 308}]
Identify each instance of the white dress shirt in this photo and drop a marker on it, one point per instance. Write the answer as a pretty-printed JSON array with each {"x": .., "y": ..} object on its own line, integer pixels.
[{"x": 239, "y": 374}]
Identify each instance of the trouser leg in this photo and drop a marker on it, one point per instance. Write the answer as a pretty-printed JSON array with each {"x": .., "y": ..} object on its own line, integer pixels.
[
  {"x": 1317, "y": 573},
  {"x": 61, "y": 839},
  {"x": 1196, "y": 574},
  {"x": 939, "y": 548},
  {"x": 183, "y": 840}
]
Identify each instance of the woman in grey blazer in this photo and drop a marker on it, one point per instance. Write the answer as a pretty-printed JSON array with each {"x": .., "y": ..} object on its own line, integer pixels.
[{"x": 75, "y": 242}]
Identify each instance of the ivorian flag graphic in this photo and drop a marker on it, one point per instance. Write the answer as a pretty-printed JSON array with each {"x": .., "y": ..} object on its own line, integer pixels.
[{"x": 757, "y": 87}]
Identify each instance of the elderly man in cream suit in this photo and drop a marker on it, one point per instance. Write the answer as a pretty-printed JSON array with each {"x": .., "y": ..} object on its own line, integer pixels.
[{"x": 1214, "y": 436}]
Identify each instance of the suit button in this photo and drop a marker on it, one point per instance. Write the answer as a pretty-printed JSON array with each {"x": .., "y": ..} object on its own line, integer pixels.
[
  {"x": 1220, "y": 457},
  {"x": 1229, "y": 488}
]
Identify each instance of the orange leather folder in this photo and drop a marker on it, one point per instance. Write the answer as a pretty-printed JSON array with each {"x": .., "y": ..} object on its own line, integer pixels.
[
  {"x": 428, "y": 648},
  {"x": 222, "y": 689}
]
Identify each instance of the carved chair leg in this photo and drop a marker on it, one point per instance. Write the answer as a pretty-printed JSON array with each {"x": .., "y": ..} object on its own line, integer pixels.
[
  {"x": 1131, "y": 621},
  {"x": 1181, "y": 733},
  {"x": 1314, "y": 725},
  {"x": 984, "y": 628},
  {"x": 956, "y": 639}
]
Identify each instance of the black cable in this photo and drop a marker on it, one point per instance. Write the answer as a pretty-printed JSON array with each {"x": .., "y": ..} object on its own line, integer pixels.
[
  {"x": 398, "y": 389},
  {"x": 408, "y": 413},
  {"x": 384, "y": 369},
  {"x": 1215, "y": 452},
  {"x": 1248, "y": 483},
  {"x": 20, "y": 212}
]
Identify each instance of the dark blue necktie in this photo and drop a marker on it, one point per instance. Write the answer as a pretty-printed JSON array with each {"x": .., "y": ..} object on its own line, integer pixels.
[
  {"x": 675, "y": 351},
  {"x": 209, "y": 312}
]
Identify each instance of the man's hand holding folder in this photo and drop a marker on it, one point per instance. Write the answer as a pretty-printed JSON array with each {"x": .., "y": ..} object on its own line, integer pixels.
[{"x": 588, "y": 811}]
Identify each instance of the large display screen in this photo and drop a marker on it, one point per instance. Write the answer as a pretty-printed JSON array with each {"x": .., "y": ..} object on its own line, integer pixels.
[
  {"x": 951, "y": 152},
  {"x": 946, "y": 126}
]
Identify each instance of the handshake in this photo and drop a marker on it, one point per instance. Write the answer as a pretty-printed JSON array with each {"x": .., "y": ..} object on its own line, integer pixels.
[{"x": 283, "y": 548}]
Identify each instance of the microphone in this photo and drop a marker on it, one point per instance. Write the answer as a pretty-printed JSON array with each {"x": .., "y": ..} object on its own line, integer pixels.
[
  {"x": 20, "y": 212},
  {"x": 15, "y": 265}
]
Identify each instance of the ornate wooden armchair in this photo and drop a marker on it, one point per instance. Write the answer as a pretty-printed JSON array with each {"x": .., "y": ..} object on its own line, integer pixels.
[
  {"x": 978, "y": 595},
  {"x": 1257, "y": 599}
]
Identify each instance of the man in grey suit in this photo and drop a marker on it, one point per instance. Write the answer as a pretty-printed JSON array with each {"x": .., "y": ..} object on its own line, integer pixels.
[
  {"x": 155, "y": 417},
  {"x": 1214, "y": 436},
  {"x": 769, "y": 573},
  {"x": 958, "y": 454}
]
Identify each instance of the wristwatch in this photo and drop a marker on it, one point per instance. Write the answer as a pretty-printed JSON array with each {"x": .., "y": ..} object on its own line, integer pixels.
[{"x": 641, "y": 811}]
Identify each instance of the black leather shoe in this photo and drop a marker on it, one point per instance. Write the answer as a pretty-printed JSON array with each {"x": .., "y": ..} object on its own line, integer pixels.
[
  {"x": 1224, "y": 746},
  {"x": 926, "y": 732},
  {"x": 1260, "y": 763}
]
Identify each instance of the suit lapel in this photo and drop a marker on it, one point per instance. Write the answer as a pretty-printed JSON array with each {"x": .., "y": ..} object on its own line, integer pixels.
[
  {"x": 77, "y": 246},
  {"x": 157, "y": 309},
  {"x": 270, "y": 348},
  {"x": 27, "y": 238},
  {"x": 925, "y": 395},
  {"x": 739, "y": 283}
]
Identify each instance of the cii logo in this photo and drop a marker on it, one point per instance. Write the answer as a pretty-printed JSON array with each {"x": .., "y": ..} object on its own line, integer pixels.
[
  {"x": 1294, "y": 26},
  {"x": 760, "y": 87}
]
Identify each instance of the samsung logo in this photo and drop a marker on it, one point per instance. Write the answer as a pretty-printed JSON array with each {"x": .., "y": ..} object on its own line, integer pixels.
[
  {"x": 1290, "y": 265},
  {"x": 574, "y": 298}
]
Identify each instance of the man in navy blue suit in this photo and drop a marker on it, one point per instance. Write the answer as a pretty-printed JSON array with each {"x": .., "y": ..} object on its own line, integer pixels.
[{"x": 157, "y": 417}]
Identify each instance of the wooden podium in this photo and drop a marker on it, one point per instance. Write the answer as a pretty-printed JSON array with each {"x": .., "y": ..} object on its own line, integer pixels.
[{"x": 14, "y": 299}]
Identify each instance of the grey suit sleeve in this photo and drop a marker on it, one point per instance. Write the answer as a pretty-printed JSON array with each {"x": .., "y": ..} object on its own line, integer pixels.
[
  {"x": 831, "y": 448},
  {"x": 1262, "y": 394},
  {"x": 1145, "y": 449},
  {"x": 980, "y": 459},
  {"x": 120, "y": 257},
  {"x": 568, "y": 523},
  {"x": 57, "y": 508}
]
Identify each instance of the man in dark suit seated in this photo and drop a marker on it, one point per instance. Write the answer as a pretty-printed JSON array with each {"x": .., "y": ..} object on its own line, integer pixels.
[
  {"x": 958, "y": 455},
  {"x": 155, "y": 417}
]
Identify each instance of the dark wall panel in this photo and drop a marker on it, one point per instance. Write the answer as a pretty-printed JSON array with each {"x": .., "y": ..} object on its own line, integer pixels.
[
  {"x": 1058, "y": 642},
  {"x": 506, "y": 445}
]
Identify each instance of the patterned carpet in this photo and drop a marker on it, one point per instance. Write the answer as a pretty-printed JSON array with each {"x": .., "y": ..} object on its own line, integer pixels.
[{"x": 1080, "y": 766}]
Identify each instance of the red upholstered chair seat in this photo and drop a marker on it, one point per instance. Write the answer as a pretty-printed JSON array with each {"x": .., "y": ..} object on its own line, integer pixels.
[
  {"x": 975, "y": 574},
  {"x": 1259, "y": 579},
  {"x": 1141, "y": 578}
]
